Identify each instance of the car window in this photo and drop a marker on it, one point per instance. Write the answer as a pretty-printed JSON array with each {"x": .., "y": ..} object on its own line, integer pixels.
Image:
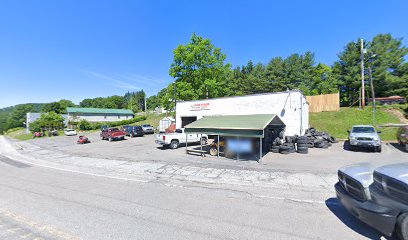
[
  {"x": 114, "y": 129},
  {"x": 179, "y": 131},
  {"x": 363, "y": 130}
]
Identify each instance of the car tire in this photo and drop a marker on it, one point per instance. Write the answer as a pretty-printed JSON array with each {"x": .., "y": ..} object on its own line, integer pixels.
[
  {"x": 378, "y": 149},
  {"x": 174, "y": 144},
  {"x": 110, "y": 139},
  {"x": 402, "y": 226},
  {"x": 213, "y": 151}
]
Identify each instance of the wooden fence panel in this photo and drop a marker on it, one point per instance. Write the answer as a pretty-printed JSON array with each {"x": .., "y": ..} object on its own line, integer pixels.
[{"x": 324, "y": 103}]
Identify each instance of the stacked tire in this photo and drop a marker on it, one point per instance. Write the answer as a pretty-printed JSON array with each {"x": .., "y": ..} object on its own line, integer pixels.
[
  {"x": 302, "y": 145},
  {"x": 287, "y": 148}
]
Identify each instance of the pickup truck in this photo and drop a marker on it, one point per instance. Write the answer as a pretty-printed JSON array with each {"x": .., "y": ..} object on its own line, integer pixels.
[
  {"x": 173, "y": 140},
  {"x": 112, "y": 134},
  {"x": 378, "y": 196}
]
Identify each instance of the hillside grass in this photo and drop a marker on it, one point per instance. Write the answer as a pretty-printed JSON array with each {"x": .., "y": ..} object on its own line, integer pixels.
[
  {"x": 152, "y": 119},
  {"x": 337, "y": 123}
]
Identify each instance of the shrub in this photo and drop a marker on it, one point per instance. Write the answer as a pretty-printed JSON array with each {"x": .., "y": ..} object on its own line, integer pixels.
[{"x": 85, "y": 125}]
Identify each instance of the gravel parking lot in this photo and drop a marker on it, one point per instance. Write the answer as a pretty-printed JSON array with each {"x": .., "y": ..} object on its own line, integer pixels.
[{"x": 145, "y": 149}]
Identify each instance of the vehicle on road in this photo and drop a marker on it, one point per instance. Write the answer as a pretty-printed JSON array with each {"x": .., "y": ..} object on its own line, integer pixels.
[
  {"x": 38, "y": 134},
  {"x": 376, "y": 196},
  {"x": 147, "y": 129},
  {"x": 112, "y": 134},
  {"x": 70, "y": 132},
  {"x": 83, "y": 140},
  {"x": 402, "y": 136},
  {"x": 133, "y": 131},
  {"x": 173, "y": 140},
  {"x": 364, "y": 136}
]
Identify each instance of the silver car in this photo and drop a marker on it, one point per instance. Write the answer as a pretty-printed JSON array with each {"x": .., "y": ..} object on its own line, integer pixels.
[
  {"x": 147, "y": 128},
  {"x": 364, "y": 136},
  {"x": 376, "y": 196}
]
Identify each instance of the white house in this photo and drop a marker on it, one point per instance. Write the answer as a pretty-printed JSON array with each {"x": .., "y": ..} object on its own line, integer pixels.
[
  {"x": 98, "y": 114},
  {"x": 291, "y": 107}
]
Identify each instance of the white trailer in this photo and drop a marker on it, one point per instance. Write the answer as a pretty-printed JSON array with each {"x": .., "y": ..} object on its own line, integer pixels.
[{"x": 291, "y": 107}]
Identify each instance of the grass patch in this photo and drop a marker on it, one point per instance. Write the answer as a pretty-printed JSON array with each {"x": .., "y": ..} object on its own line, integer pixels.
[
  {"x": 152, "y": 118},
  {"x": 337, "y": 123}
]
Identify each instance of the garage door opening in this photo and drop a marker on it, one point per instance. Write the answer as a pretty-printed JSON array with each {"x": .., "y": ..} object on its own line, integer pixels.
[{"x": 187, "y": 120}]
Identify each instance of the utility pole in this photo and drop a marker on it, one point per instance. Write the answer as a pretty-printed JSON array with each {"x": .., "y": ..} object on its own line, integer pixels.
[
  {"x": 362, "y": 74},
  {"x": 175, "y": 101},
  {"x": 145, "y": 106},
  {"x": 372, "y": 95}
]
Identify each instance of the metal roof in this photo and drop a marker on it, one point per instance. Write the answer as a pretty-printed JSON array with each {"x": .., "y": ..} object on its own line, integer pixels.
[
  {"x": 234, "y": 125},
  {"x": 98, "y": 110}
]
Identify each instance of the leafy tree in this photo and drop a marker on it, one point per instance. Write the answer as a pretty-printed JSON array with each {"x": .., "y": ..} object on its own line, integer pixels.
[
  {"x": 49, "y": 121},
  {"x": 18, "y": 116},
  {"x": 388, "y": 65},
  {"x": 199, "y": 69},
  {"x": 385, "y": 55},
  {"x": 347, "y": 71},
  {"x": 53, "y": 107}
]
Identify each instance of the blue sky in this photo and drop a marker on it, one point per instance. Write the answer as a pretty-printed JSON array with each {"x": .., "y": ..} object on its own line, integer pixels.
[{"x": 79, "y": 49}]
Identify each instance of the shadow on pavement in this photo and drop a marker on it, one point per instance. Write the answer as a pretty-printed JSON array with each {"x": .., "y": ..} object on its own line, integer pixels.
[
  {"x": 346, "y": 146},
  {"x": 398, "y": 146},
  {"x": 334, "y": 205}
]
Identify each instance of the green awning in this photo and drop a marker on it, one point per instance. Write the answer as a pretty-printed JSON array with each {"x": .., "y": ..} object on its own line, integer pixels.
[{"x": 234, "y": 125}]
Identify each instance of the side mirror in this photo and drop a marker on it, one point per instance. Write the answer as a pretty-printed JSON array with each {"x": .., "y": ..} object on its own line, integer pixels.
[{"x": 348, "y": 131}]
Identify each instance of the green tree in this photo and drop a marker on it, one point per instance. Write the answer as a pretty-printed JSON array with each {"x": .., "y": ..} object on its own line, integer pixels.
[
  {"x": 388, "y": 65},
  {"x": 347, "y": 72},
  {"x": 53, "y": 107},
  {"x": 18, "y": 116},
  {"x": 385, "y": 55},
  {"x": 49, "y": 121},
  {"x": 199, "y": 69}
]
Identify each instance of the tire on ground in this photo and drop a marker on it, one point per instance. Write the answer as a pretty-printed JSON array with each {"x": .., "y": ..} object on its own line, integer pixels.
[
  {"x": 174, "y": 144},
  {"x": 402, "y": 226}
]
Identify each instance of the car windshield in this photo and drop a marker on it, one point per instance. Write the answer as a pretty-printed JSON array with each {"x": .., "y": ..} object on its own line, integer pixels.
[
  {"x": 146, "y": 125},
  {"x": 69, "y": 130},
  {"x": 114, "y": 129},
  {"x": 363, "y": 130}
]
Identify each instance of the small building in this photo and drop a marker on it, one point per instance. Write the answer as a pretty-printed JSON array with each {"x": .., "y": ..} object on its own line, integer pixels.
[
  {"x": 165, "y": 123},
  {"x": 291, "y": 107},
  {"x": 98, "y": 114}
]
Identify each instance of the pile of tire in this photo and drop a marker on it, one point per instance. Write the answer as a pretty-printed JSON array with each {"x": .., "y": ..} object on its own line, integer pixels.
[
  {"x": 302, "y": 145},
  {"x": 316, "y": 139},
  {"x": 289, "y": 144}
]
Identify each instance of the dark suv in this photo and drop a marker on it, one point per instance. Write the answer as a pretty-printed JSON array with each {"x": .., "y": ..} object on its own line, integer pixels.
[{"x": 133, "y": 131}]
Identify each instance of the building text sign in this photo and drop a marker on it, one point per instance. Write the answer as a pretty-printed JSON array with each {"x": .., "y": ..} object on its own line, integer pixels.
[{"x": 200, "y": 106}]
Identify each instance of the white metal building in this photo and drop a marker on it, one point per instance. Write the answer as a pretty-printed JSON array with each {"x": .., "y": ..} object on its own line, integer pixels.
[
  {"x": 98, "y": 114},
  {"x": 291, "y": 107}
]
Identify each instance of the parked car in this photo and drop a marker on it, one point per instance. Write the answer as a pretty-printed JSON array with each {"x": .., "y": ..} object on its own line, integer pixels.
[
  {"x": 402, "y": 136},
  {"x": 83, "y": 140},
  {"x": 70, "y": 132},
  {"x": 133, "y": 131},
  {"x": 376, "y": 196},
  {"x": 147, "y": 128},
  {"x": 112, "y": 134},
  {"x": 364, "y": 136},
  {"x": 173, "y": 140}
]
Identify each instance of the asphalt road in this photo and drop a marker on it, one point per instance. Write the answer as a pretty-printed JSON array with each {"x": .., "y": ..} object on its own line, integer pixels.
[{"x": 43, "y": 203}]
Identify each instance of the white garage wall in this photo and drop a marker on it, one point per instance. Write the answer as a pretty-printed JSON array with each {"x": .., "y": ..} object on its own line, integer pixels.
[{"x": 290, "y": 106}]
